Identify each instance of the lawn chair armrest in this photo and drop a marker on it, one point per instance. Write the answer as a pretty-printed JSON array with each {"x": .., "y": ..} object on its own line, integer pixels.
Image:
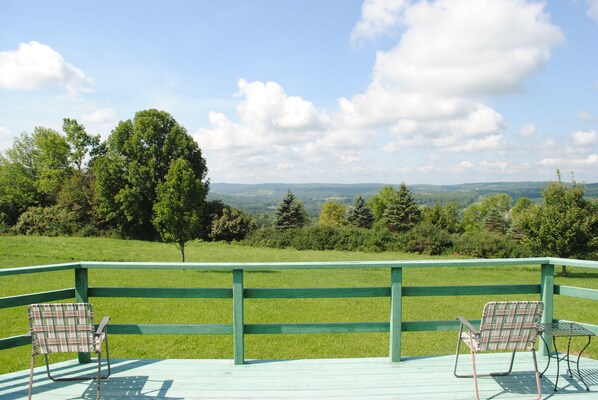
[
  {"x": 102, "y": 326},
  {"x": 468, "y": 325}
]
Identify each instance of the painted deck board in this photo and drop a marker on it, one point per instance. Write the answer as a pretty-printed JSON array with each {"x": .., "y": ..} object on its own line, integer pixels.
[{"x": 359, "y": 378}]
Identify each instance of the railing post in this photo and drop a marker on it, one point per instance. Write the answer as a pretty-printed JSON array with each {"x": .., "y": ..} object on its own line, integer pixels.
[
  {"x": 81, "y": 285},
  {"x": 238, "y": 318},
  {"x": 547, "y": 296},
  {"x": 396, "y": 317}
]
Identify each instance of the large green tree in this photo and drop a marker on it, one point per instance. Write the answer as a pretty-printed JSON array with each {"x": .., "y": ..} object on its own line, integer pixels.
[
  {"x": 290, "y": 213},
  {"x": 138, "y": 156},
  {"x": 564, "y": 224},
  {"x": 32, "y": 172},
  {"x": 179, "y": 206}
]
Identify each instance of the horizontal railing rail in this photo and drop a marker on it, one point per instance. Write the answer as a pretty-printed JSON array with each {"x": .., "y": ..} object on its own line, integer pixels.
[{"x": 395, "y": 291}]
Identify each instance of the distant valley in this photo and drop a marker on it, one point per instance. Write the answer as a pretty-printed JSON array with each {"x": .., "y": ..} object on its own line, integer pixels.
[{"x": 264, "y": 198}]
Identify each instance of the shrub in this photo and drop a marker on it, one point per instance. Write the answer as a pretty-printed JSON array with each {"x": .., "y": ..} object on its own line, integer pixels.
[
  {"x": 426, "y": 238},
  {"x": 489, "y": 245},
  {"x": 47, "y": 221}
]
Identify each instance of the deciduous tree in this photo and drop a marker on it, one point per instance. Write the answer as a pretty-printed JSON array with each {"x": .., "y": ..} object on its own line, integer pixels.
[
  {"x": 139, "y": 154},
  {"x": 179, "y": 206},
  {"x": 333, "y": 213},
  {"x": 564, "y": 224}
]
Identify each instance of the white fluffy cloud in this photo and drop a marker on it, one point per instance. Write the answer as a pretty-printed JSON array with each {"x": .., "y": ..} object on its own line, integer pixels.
[
  {"x": 452, "y": 53},
  {"x": 378, "y": 17},
  {"x": 584, "y": 138},
  {"x": 35, "y": 65},
  {"x": 426, "y": 92},
  {"x": 527, "y": 130},
  {"x": 100, "y": 116}
]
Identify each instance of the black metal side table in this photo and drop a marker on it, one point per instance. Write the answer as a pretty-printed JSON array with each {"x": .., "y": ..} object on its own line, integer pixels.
[{"x": 564, "y": 329}]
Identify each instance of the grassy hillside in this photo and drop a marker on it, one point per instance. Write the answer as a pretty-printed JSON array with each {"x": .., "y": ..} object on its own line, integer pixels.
[{"x": 23, "y": 251}]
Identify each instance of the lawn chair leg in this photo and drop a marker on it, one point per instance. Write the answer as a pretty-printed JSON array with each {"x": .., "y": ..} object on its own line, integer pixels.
[
  {"x": 457, "y": 353},
  {"x": 538, "y": 383},
  {"x": 31, "y": 375},
  {"x": 475, "y": 376},
  {"x": 99, "y": 374}
]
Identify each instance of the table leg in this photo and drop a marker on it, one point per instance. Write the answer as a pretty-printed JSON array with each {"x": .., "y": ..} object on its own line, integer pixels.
[
  {"x": 558, "y": 362},
  {"x": 568, "y": 352},
  {"x": 547, "y": 352},
  {"x": 578, "y": 358}
]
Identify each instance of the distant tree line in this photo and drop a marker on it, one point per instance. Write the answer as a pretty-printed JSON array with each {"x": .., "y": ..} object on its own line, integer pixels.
[
  {"x": 563, "y": 224},
  {"x": 148, "y": 181}
]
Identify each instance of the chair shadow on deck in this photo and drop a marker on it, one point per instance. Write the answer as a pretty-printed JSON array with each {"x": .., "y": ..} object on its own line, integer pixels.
[
  {"x": 133, "y": 387},
  {"x": 525, "y": 383},
  {"x": 138, "y": 387}
]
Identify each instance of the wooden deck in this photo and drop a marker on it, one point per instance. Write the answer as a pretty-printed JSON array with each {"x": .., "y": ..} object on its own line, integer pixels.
[{"x": 358, "y": 378}]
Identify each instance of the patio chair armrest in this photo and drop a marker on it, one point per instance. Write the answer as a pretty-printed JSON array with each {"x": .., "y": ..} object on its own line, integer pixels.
[
  {"x": 468, "y": 325},
  {"x": 102, "y": 326}
]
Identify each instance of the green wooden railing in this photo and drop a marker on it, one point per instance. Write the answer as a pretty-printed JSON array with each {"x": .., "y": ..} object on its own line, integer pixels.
[{"x": 546, "y": 288}]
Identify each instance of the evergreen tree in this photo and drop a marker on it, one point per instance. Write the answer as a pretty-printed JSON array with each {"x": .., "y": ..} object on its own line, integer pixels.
[
  {"x": 495, "y": 222},
  {"x": 402, "y": 213},
  {"x": 290, "y": 213},
  {"x": 359, "y": 214}
]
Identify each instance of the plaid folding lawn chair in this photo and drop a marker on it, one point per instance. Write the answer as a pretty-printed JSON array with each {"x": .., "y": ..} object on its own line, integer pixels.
[
  {"x": 505, "y": 325},
  {"x": 66, "y": 328}
]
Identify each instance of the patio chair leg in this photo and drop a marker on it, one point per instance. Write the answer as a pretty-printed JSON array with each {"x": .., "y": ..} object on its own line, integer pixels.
[
  {"x": 475, "y": 376},
  {"x": 538, "y": 383},
  {"x": 31, "y": 375},
  {"x": 99, "y": 375}
]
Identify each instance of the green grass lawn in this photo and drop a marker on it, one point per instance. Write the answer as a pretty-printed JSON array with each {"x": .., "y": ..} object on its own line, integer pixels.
[{"x": 18, "y": 251}]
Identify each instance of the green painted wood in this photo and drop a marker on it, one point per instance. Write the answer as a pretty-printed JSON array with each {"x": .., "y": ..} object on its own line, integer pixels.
[
  {"x": 162, "y": 293},
  {"x": 36, "y": 269},
  {"x": 258, "y": 266},
  {"x": 41, "y": 297},
  {"x": 81, "y": 285},
  {"x": 434, "y": 326},
  {"x": 547, "y": 297},
  {"x": 170, "y": 329},
  {"x": 14, "y": 341},
  {"x": 417, "y": 291},
  {"x": 238, "y": 318},
  {"x": 81, "y": 296},
  {"x": 571, "y": 262},
  {"x": 396, "y": 313},
  {"x": 324, "y": 327},
  {"x": 581, "y": 293},
  {"x": 316, "y": 293}
]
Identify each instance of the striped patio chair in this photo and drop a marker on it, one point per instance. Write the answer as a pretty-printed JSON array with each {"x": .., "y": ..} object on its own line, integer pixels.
[
  {"x": 66, "y": 328},
  {"x": 505, "y": 325}
]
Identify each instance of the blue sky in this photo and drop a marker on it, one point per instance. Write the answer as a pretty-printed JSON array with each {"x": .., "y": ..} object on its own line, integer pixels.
[{"x": 440, "y": 92}]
